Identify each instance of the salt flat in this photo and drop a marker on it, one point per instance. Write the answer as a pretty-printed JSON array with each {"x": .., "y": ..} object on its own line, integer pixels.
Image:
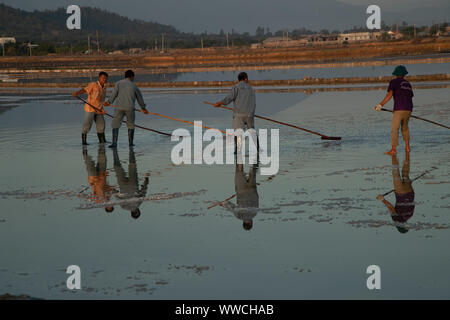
[{"x": 318, "y": 225}]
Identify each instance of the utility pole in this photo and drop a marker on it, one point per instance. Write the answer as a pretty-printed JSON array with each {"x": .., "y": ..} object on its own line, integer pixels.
[
  {"x": 202, "y": 42},
  {"x": 98, "y": 43},
  {"x": 227, "y": 41},
  {"x": 89, "y": 45},
  {"x": 156, "y": 44},
  {"x": 30, "y": 46},
  {"x": 162, "y": 42},
  {"x": 414, "y": 30}
]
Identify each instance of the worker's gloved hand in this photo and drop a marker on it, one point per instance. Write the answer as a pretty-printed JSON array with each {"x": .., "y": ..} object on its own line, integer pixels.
[
  {"x": 144, "y": 111},
  {"x": 380, "y": 197},
  {"x": 106, "y": 104},
  {"x": 378, "y": 107},
  {"x": 218, "y": 104}
]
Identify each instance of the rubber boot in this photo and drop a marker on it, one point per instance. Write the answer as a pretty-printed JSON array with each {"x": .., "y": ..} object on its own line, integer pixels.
[
  {"x": 115, "y": 133},
  {"x": 131, "y": 137},
  {"x": 84, "y": 139},
  {"x": 101, "y": 137}
]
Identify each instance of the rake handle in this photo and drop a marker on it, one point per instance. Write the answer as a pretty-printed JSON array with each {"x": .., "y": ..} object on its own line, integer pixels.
[
  {"x": 283, "y": 123},
  {"x": 426, "y": 120},
  {"x": 107, "y": 114},
  {"x": 385, "y": 194},
  {"x": 181, "y": 120}
]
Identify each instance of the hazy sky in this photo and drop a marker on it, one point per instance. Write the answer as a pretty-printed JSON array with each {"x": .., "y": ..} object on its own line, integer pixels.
[
  {"x": 398, "y": 5},
  {"x": 246, "y": 15}
]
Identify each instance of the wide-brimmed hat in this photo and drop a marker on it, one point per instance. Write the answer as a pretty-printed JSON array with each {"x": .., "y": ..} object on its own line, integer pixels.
[{"x": 400, "y": 71}]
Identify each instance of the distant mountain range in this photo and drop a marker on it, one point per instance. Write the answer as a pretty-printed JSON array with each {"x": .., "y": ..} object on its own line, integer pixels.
[
  {"x": 119, "y": 32},
  {"x": 246, "y": 15},
  {"x": 51, "y": 26}
]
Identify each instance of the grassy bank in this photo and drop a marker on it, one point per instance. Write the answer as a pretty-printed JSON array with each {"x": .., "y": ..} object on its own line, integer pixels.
[{"x": 256, "y": 83}]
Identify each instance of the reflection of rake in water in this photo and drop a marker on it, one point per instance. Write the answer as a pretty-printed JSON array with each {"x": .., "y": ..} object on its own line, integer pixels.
[
  {"x": 323, "y": 137},
  {"x": 83, "y": 190},
  {"x": 222, "y": 202},
  {"x": 417, "y": 178},
  {"x": 231, "y": 197},
  {"x": 154, "y": 197}
]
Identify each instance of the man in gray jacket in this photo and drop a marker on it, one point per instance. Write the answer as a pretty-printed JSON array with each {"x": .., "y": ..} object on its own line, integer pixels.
[
  {"x": 125, "y": 94},
  {"x": 243, "y": 96}
]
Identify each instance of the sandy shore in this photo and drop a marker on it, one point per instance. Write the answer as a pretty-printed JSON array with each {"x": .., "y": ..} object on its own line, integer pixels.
[{"x": 233, "y": 57}]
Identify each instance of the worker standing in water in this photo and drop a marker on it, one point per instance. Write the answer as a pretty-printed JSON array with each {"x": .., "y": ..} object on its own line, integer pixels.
[
  {"x": 125, "y": 94},
  {"x": 401, "y": 90},
  {"x": 96, "y": 96},
  {"x": 243, "y": 96}
]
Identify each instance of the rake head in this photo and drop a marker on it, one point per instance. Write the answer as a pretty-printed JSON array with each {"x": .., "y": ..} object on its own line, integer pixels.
[{"x": 331, "y": 138}]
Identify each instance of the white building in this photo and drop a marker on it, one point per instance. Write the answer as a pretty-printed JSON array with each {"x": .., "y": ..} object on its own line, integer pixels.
[
  {"x": 7, "y": 40},
  {"x": 395, "y": 35},
  {"x": 323, "y": 38},
  {"x": 278, "y": 42},
  {"x": 354, "y": 36}
]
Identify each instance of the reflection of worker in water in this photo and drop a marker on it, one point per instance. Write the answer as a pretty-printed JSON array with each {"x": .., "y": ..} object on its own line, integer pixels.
[
  {"x": 247, "y": 199},
  {"x": 101, "y": 191},
  {"x": 129, "y": 185},
  {"x": 404, "y": 195}
]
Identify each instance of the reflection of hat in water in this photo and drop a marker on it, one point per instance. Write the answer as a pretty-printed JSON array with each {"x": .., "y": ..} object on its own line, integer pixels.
[
  {"x": 136, "y": 213},
  {"x": 247, "y": 224},
  {"x": 400, "y": 71},
  {"x": 401, "y": 227}
]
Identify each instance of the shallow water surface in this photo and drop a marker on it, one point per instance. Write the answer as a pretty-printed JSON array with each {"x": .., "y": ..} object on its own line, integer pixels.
[
  {"x": 144, "y": 75},
  {"x": 315, "y": 226}
]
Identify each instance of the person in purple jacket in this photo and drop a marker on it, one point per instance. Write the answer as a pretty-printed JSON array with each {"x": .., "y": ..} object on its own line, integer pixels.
[
  {"x": 404, "y": 195},
  {"x": 402, "y": 92}
]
